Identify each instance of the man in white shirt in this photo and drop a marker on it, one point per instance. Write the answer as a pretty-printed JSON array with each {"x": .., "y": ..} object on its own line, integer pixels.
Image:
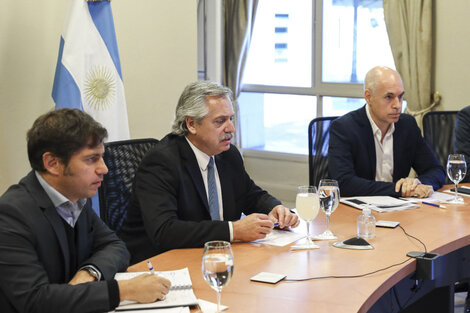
[{"x": 372, "y": 149}]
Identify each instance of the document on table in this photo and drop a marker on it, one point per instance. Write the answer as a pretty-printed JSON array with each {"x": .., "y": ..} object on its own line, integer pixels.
[
  {"x": 181, "y": 291},
  {"x": 380, "y": 203},
  {"x": 279, "y": 238},
  {"x": 436, "y": 197}
]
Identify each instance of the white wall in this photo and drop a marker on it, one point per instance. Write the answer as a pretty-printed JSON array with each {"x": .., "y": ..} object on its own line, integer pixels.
[{"x": 157, "y": 45}]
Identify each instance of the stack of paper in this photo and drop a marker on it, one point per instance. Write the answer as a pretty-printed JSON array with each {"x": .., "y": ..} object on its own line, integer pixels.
[{"x": 379, "y": 203}]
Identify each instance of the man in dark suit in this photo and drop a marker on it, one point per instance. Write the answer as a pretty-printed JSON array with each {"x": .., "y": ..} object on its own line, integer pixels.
[
  {"x": 372, "y": 149},
  {"x": 56, "y": 255},
  {"x": 462, "y": 138},
  {"x": 176, "y": 203}
]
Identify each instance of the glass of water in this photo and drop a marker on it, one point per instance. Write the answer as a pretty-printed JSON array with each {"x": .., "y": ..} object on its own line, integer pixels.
[
  {"x": 328, "y": 191},
  {"x": 307, "y": 205},
  {"x": 217, "y": 266},
  {"x": 456, "y": 170}
]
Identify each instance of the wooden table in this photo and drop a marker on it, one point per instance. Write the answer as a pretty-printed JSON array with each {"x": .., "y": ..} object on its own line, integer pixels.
[{"x": 442, "y": 230}]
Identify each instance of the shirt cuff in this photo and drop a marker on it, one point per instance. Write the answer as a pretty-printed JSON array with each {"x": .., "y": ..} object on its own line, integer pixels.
[
  {"x": 89, "y": 266},
  {"x": 230, "y": 227},
  {"x": 113, "y": 293}
]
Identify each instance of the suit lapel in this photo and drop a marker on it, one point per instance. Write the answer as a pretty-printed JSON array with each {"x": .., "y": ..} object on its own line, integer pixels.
[
  {"x": 367, "y": 134},
  {"x": 51, "y": 215},
  {"x": 190, "y": 163}
]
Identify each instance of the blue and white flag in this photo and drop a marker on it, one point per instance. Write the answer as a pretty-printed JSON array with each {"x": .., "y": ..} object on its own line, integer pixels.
[{"x": 88, "y": 74}]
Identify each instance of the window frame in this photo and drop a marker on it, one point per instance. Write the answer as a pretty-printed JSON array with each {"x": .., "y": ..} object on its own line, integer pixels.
[{"x": 319, "y": 89}]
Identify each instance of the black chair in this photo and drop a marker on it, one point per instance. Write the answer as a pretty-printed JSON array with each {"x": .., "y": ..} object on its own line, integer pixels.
[
  {"x": 438, "y": 131},
  {"x": 318, "y": 140},
  {"x": 122, "y": 159}
]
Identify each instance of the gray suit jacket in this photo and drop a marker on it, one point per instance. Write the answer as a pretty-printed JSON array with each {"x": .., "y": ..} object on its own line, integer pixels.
[{"x": 34, "y": 254}]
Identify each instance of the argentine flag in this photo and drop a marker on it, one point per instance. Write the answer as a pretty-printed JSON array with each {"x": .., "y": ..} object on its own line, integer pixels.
[{"x": 88, "y": 74}]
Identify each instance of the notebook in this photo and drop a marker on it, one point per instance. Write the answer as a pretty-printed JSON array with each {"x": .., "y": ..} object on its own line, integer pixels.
[{"x": 180, "y": 294}]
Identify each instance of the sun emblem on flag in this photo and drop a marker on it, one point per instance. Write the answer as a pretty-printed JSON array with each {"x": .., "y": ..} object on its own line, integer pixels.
[{"x": 100, "y": 88}]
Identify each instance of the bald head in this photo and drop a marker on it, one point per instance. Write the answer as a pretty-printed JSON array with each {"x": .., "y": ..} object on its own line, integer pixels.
[
  {"x": 379, "y": 74},
  {"x": 383, "y": 91}
]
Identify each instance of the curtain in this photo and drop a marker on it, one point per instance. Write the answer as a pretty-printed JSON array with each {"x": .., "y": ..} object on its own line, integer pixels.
[
  {"x": 409, "y": 27},
  {"x": 238, "y": 19}
]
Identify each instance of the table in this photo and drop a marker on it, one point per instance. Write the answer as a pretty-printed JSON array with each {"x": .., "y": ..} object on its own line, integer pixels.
[{"x": 442, "y": 230}]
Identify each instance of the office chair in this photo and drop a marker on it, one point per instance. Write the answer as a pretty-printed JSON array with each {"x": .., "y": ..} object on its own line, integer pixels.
[
  {"x": 438, "y": 132},
  {"x": 122, "y": 159},
  {"x": 318, "y": 140}
]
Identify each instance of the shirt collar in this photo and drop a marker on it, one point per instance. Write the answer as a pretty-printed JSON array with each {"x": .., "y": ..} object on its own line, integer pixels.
[
  {"x": 201, "y": 157},
  {"x": 59, "y": 201},
  {"x": 375, "y": 129}
]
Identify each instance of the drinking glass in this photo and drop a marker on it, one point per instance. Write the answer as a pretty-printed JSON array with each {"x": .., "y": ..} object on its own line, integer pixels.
[
  {"x": 456, "y": 170},
  {"x": 217, "y": 266},
  {"x": 307, "y": 205},
  {"x": 328, "y": 191}
]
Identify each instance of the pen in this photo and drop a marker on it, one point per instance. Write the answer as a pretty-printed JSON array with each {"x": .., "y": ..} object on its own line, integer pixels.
[
  {"x": 150, "y": 267},
  {"x": 276, "y": 224},
  {"x": 433, "y": 204}
]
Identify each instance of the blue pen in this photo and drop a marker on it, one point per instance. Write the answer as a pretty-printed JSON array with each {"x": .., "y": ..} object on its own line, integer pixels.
[
  {"x": 433, "y": 204},
  {"x": 276, "y": 224},
  {"x": 150, "y": 266}
]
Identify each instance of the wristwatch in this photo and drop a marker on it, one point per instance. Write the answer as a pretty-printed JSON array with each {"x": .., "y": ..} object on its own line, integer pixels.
[{"x": 92, "y": 272}]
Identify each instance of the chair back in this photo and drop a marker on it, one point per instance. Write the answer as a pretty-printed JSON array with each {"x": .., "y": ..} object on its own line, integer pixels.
[
  {"x": 122, "y": 159},
  {"x": 318, "y": 140},
  {"x": 438, "y": 132}
]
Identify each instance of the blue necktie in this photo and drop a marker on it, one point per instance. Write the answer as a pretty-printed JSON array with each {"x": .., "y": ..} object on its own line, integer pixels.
[{"x": 212, "y": 189}]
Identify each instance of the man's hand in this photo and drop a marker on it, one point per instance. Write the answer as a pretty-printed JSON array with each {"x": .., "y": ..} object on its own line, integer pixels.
[
  {"x": 411, "y": 187},
  {"x": 252, "y": 227},
  {"x": 144, "y": 288},
  {"x": 81, "y": 277},
  {"x": 284, "y": 217}
]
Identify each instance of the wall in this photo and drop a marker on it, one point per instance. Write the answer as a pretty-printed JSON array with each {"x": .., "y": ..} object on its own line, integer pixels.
[{"x": 157, "y": 44}]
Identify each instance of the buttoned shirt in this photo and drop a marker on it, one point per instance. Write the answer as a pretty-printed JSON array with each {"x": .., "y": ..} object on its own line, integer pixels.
[
  {"x": 203, "y": 162},
  {"x": 383, "y": 150}
]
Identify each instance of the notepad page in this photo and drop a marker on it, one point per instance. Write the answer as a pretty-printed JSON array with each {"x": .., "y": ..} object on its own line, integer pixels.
[{"x": 180, "y": 294}]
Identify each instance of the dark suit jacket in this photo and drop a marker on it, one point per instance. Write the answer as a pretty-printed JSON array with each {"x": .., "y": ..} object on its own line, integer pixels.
[
  {"x": 169, "y": 207},
  {"x": 352, "y": 159},
  {"x": 462, "y": 136},
  {"x": 34, "y": 254}
]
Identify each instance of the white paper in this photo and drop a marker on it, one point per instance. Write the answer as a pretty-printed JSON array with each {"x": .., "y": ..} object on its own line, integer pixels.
[
  {"x": 181, "y": 292},
  {"x": 209, "y": 307},
  {"x": 381, "y": 203},
  {"x": 436, "y": 197},
  {"x": 279, "y": 238}
]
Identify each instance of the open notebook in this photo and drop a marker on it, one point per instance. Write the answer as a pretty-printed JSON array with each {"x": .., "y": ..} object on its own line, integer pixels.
[{"x": 181, "y": 291}]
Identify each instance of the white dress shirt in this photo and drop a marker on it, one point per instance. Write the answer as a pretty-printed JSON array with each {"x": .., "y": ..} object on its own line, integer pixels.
[
  {"x": 203, "y": 162},
  {"x": 383, "y": 151}
]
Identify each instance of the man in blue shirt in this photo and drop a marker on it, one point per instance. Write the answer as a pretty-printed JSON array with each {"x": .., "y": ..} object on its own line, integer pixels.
[{"x": 56, "y": 255}]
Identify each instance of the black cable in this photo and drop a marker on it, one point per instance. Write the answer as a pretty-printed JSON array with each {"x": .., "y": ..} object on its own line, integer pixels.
[
  {"x": 361, "y": 275},
  {"x": 425, "y": 249},
  {"x": 346, "y": 276}
]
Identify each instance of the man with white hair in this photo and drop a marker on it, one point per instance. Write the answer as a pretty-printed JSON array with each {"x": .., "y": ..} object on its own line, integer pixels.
[
  {"x": 372, "y": 149},
  {"x": 193, "y": 187}
]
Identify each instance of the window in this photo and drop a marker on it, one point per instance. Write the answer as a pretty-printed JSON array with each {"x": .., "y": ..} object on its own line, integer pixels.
[{"x": 298, "y": 69}]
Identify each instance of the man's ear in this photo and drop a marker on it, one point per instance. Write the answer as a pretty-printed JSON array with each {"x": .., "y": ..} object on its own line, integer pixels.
[
  {"x": 367, "y": 95},
  {"x": 52, "y": 163},
  {"x": 190, "y": 121}
]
